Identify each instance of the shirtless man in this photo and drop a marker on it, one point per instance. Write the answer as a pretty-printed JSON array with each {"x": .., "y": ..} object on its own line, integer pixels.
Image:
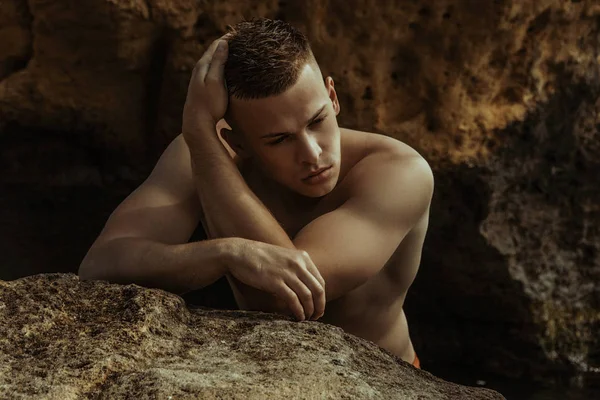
[{"x": 349, "y": 238}]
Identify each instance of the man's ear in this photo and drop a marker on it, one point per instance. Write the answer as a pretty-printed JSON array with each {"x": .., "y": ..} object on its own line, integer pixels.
[
  {"x": 235, "y": 141},
  {"x": 330, "y": 86}
]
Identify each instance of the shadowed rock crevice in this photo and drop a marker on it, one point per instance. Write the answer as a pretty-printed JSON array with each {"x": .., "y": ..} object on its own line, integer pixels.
[
  {"x": 474, "y": 307},
  {"x": 544, "y": 218},
  {"x": 16, "y": 46},
  {"x": 155, "y": 84}
]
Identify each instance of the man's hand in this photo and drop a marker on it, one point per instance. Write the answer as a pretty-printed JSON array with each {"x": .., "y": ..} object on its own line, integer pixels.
[
  {"x": 286, "y": 273},
  {"x": 206, "y": 101}
]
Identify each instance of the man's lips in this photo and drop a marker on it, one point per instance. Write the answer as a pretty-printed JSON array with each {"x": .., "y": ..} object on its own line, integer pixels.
[{"x": 317, "y": 172}]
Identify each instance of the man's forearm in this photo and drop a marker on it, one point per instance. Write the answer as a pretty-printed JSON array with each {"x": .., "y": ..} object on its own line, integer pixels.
[
  {"x": 175, "y": 268},
  {"x": 230, "y": 207}
]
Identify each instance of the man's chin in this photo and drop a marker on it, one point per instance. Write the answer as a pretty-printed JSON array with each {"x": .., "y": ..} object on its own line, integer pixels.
[{"x": 315, "y": 191}]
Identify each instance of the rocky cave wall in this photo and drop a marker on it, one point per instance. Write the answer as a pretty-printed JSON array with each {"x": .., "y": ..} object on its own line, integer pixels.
[{"x": 501, "y": 97}]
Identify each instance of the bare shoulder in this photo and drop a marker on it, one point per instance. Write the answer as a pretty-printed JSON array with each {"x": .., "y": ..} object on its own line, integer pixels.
[
  {"x": 388, "y": 174},
  {"x": 374, "y": 142},
  {"x": 373, "y": 153}
]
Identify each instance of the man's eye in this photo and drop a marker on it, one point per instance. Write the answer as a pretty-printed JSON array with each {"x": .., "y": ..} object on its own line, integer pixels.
[
  {"x": 316, "y": 121},
  {"x": 281, "y": 139}
]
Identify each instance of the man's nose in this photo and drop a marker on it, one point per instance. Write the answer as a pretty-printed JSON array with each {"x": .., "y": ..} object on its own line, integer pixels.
[{"x": 309, "y": 150}]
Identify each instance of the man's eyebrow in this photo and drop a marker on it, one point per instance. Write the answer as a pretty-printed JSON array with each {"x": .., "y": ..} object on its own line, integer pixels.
[{"x": 310, "y": 121}]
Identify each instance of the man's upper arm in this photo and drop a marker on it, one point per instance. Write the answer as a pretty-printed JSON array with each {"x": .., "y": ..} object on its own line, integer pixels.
[
  {"x": 353, "y": 242},
  {"x": 164, "y": 208}
]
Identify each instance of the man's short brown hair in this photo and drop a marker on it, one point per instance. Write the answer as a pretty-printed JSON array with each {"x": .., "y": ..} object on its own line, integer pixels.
[{"x": 265, "y": 58}]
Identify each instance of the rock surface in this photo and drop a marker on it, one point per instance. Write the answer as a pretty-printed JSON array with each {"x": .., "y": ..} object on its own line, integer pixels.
[
  {"x": 65, "y": 339},
  {"x": 501, "y": 97}
]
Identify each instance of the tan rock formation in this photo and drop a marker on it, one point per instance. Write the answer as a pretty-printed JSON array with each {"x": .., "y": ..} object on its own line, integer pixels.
[{"x": 66, "y": 339}]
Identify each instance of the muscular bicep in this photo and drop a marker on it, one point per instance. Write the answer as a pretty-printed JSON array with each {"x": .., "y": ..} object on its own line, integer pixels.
[
  {"x": 353, "y": 242},
  {"x": 347, "y": 247}
]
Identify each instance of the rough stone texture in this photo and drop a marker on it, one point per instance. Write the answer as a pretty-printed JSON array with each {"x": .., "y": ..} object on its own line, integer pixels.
[
  {"x": 65, "y": 339},
  {"x": 501, "y": 97}
]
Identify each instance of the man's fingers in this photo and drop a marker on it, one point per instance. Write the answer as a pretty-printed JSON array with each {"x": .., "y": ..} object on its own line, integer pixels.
[
  {"x": 290, "y": 297},
  {"x": 202, "y": 66},
  {"x": 226, "y": 36},
  {"x": 208, "y": 54},
  {"x": 304, "y": 294},
  {"x": 315, "y": 271},
  {"x": 215, "y": 71},
  {"x": 317, "y": 291}
]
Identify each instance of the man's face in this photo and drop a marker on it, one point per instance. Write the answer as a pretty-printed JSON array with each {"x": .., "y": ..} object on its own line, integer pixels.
[{"x": 290, "y": 136}]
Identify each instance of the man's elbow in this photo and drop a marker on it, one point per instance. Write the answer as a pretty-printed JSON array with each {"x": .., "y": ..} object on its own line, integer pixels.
[
  {"x": 105, "y": 260},
  {"x": 87, "y": 272},
  {"x": 93, "y": 266}
]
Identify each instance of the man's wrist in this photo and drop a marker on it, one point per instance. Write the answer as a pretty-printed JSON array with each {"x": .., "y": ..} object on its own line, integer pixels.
[
  {"x": 230, "y": 251},
  {"x": 197, "y": 135}
]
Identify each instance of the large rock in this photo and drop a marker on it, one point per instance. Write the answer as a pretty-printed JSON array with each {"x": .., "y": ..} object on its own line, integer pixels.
[
  {"x": 501, "y": 97},
  {"x": 65, "y": 339}
]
